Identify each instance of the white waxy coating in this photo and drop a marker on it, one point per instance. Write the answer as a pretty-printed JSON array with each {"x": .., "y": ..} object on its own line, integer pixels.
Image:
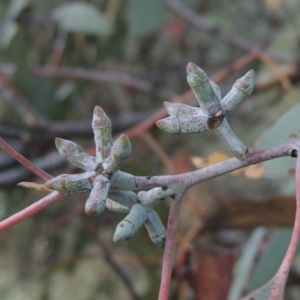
[
  {"x": 155, "y": 228},
  {"x": 121, "y": 201},
  {"x": 234, "y": 145},
  {"x": 70, "y": 151},
  {"x": 95, "y": 204},
  {"x": 120, "y": 151},
  {"x": 202, "y": 89},
  {"x": 133, "y": 221},
  {"x": 102, "y": 133},
  {"x": 216, "y": 89},
  {"x": 152, "y": 197},
  {"x": 242, "y": 89},
  {"x": 71, "y": 183},
  {"x": 184, "y": 124}
]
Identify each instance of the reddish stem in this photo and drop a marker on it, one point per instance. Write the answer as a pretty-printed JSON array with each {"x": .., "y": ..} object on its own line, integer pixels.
[
  {"x": 169, "y": 250},
  {"x": 31, "y": 210},
  {"x": 22, "y": 160},
  {"x": 283, "y": 271}
]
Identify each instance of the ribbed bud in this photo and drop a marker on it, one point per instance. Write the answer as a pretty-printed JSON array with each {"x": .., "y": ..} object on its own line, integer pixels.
[
  {"x": 202, "y": 89},
  {"x": 234, "y": 145},
  {"x": 73, "y": 183},
  {"x": 95, "y": 204},
  {"x": 242, "y": 88},
  {"x": 102, "y": 132},
  {"x": 120, "y": 151},
  {"x": 155, "y": 228},
  {"x": 133, "y": 221},
  {"x": 70, "y": 151}
]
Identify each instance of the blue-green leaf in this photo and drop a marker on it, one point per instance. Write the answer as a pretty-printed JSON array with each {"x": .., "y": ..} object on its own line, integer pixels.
[{"x": 81, "y": 18}]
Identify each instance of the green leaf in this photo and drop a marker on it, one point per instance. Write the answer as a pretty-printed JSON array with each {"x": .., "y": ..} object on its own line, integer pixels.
[
  {"x": 146, "y": 16},
  {"x": 81, "y": 18},
  {"x": 286, "y": 129},
  {"x": 271, "y": 259}
]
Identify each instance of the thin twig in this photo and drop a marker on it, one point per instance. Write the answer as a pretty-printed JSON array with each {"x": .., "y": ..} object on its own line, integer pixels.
[
  {"x": 24, "y": 161},
  {"x": 19, "y": 103},
  {"x": 169, "y": 250},
  {"x": 205, "y": 25},
  {"x": 110, "y": 259},
  {"x": 31, "y": 210},
  {"x": 159, "y": 151},
  {"x": 102, "y": 76}
]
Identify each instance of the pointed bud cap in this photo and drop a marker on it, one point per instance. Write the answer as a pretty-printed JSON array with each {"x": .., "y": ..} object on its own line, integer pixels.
[
  {"x": 70, "y": 151},
  {"x": 195, "y": 75},
  {"x": 95, "y": 204},
  {"x": 246, "y": 83},
  {"x": 120, "y": 151},
  {"x": 73, "y": 183},
  {"x": 198, "y": 81},
  {"x": 242, "y": 88},
  {"x": 129, "y": 226},
  {"x": 170, "y": 125},
  {"x": 102, "y": 132}
]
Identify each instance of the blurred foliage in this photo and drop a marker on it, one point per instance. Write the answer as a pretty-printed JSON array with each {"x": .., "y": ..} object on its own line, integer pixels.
[{"x": 54, "y": 255}]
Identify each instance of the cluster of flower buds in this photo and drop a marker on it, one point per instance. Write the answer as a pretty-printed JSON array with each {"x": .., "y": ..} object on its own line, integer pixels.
[
  {"x": 212, "y": 111},
  {"x": 113, "y": 189},
  {"x": 110, "y": 187}
]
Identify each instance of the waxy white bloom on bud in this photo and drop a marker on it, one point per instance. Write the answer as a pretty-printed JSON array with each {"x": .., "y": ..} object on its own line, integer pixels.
[
  {"x": 155, "y": 228},
  {"x": 216, "y": 89},
  {"x": 234, "y": 145},
  {"x": 133, "y": 221},
  {"x": 242, "y": 89},
  {"x": 202, "y": 89},
  {"x": 71, "y": 183},
  {"x": 121, "y": 201},
  {"x": 70, "y": 151},
  {"x": 184, "y": 124},
  {"x": 119, "y": 153},
  {"x": 179, "y": 109},
  {"x": 117, "y": 207},
  {"x": 152, "y": 197},
  {"x": 102, "y": 133},
  {"x": 123, "y": 181},
  {"x": 95, "y": 204}
]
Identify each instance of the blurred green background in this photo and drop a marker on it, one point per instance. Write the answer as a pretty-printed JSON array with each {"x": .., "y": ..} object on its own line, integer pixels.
[{"x": 58, "y": 59}]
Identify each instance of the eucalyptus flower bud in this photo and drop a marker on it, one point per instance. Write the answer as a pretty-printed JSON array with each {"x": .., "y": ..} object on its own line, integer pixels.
[
  {"x": 102, "y": 132},
  {"x": 123, "y": 181},
  {"x": 216, "y": 89},
  {"x": 242, "y": 89},
  {"x": 71, "y": 183},
  {"x": 234, "y": 145},
  {"x": 70, "y": 151},
  {"x": 202, "y": 89},
  {"x": 121, "y": 201},
  {"x": 152, "y": 197},
  {"x": 155, "y": 228},
  {"x": 133, "y": 221},
  {"x": 179, "y": 109},
  {"x": 115, "y": 206},
  {"x": 120, "y": 151},
  {"x": 184, "y": 124},
  {"x": 95, "y": 204},
  {"x": 126, "y": 198}
]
